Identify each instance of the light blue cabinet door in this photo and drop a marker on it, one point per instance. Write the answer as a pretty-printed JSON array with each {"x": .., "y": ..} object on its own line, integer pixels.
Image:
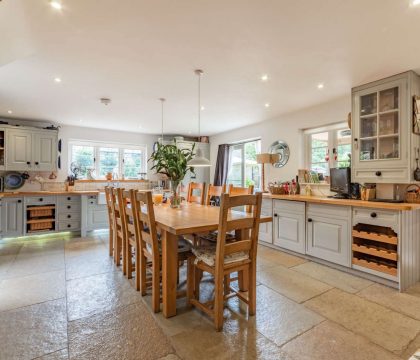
[{"x": 12, "y": 217}]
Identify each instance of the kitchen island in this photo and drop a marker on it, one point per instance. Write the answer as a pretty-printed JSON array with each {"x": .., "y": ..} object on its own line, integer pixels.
[{"x": 377, "y": 240}]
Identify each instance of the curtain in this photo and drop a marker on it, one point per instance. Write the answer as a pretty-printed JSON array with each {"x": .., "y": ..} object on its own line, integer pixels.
[{"x": 222, "y": 165}]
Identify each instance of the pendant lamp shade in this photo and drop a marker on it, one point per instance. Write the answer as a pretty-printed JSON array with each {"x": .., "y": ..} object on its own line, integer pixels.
[{"x": 199, "y": 160}]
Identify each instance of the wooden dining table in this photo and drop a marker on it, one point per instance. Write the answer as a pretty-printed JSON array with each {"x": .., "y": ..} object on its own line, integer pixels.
[{"x": 189, "y": 219}]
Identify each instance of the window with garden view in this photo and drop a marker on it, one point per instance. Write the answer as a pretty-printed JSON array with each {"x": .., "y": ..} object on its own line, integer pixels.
[
  {"x": 243, "y": 169},
  {"x": 328, "y": 147},
  {"x": 124, "y": 161}
]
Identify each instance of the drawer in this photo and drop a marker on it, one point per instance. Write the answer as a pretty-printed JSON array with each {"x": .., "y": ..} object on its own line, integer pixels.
[
  {"x": 68, "y": 199},
  {"x": 40, "y": 200},
  {"x": 334, "y": 211},
  {"x": 297, "y": 207},
  {"x": 69, "y": 216},
  {"x": 373, "y": 175},
  {"x": 68, "y": 225},
  {"x": 69, "y": 207},
  {"x": 376, "y": 217}
]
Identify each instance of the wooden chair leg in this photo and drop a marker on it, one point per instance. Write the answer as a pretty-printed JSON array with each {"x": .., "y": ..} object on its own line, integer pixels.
[
  {"x": 129, "y": 261},
  {"x": 243, "y": 280},
  {"x": 117, "y": 253},
  {"x": 155, "y": 288},
  {"x": 138, "y": 269},
  {"x": 252, "y": 291},
  {"x": 198, "y": 275},
  {"x": 218, "y": 303},
  {"x": 143, "y": 280},
  {"x": 111, "y": 242},
  {"x": 124, "y": 256},
  {"x": 226, "y": 284},
  {"x": 190, "y": 281}
]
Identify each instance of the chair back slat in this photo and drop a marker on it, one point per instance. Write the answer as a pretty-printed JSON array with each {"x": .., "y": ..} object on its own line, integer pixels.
[
  {"x": 237, "y": 190},
  {"x": 248, "y": 226},
  {"x": 191, "y": 197},
  {"x": 214, "y": 191}
]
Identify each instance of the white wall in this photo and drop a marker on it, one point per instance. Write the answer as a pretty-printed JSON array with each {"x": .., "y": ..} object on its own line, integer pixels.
[
  {"x": 288, "y": 128},
  {"x": 67, "y": 133}
]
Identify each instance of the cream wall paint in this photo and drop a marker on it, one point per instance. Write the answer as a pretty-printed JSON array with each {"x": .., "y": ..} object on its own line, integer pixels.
[{"x": 288, "y": 128}]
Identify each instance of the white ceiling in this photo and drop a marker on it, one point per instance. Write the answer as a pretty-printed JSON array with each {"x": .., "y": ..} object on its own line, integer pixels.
[{"x": 135, "y": 51}]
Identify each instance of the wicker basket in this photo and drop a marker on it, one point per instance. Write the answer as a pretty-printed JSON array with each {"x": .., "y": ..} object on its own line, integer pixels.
[
  {"x": 276, "y": 190},
  {"x": 40, "y": 212},
  {"x": 412, "y": 196},
  {"x": 44, "y": 225}
]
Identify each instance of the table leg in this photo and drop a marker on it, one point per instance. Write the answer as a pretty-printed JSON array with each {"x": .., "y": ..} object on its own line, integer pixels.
[
  {"x": 169, "y": 272},
  {"x": 243, "y": 276}
]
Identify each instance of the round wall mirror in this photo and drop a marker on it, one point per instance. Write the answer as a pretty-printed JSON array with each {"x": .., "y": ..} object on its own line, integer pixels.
[{"x": 281, "y": 153}]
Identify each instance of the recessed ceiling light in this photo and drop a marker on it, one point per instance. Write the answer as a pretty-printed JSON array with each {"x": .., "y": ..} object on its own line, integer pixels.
[
  {"x": 55, "y": 4},
  {"x": 202, "y": 108},
  {"x": 267, "y": 105},
  {"x": 57, "y": 80},
  {"x": 320, "y": 86},
  {"x": 264, "y": 77},
  {"x": 9, "y": 111},
  {"x": 415, "y": 2}
]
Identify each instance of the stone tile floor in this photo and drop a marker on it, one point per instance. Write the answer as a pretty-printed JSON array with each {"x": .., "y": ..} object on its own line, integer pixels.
[{"x": 61, "y": 297}]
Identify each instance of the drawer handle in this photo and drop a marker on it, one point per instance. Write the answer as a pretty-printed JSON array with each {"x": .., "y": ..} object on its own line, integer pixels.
[
  {"x": 378, "y": 173},
  {"x": 309, "y": 220},
  {"x": 41, "y": 199},
  {"x": 68, "y": 216},
  {"x": 68, "y": 207},
  {"x": 373, "y": 215},
  {"x": 69, "y": 225}
]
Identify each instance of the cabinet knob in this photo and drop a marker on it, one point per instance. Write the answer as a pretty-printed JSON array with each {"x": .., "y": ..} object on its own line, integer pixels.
[
  {"x": 19, "y": 201},
  {"x": 373, "y": 215},
  {"x": 309, "y": 220},
  {"x": 36, "y": 163},
  {"x": 69, "y": 225},
  {"x": 275, "y": 215},
  {"x": 41, "y": 199},
  {"x": 68, "y": 216},
  {"x": 378, "y": 173},
  {"x": 68, "y": 207},
  {"x": 28, "y": 163},
  {"x": 69, "y": 198}
]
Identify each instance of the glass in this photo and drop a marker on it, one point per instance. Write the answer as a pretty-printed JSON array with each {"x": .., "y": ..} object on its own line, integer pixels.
[
  {"x": 132, "y": 160},
  {"x": 388, "y": 99},
  {"x": 157, "y": 195},
  {"x": 388, "y": 124},
  {"x": 252, "y": 169},
  {"x": 389, "y": 147},
  {"x": 84, "y": 157},
  {"x": 368, "y": 104},
  {"x": 368, "y": 126},
  {"x": 175, "y": 197},
  {"x": 108, "y": 161},
  {"x": 320, "y": 168},
  {"x": 235, "y": 172},
  {"x": 368, "y": 149}
]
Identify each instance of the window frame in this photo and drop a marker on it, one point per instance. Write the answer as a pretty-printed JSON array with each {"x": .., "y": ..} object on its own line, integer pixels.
[
  {"x": 332, "y": 143},
  {"x": 102, "y": 144}
]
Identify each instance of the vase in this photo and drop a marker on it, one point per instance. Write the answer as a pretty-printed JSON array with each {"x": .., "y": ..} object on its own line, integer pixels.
[{"x": 176, "y": 196}]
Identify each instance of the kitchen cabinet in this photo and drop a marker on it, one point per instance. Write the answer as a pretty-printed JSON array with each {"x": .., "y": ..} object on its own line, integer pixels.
[
  {"x": 265, "y": 234},
  {"x": 328, "y": 233},
  {"x": 69, "y": 211},
  {"x": 31, "y": 150},
  {"x": 11, "y": 217},
  {"x": 384, "y": 144},
  {"x": 94, "y": 214},
  {"x": 289, "y": 225}
]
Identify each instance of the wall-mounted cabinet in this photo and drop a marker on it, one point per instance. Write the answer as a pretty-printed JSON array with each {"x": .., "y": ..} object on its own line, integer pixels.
[
  {"x": 384, "y": 144},
  {"x": 30, "y": 149}
]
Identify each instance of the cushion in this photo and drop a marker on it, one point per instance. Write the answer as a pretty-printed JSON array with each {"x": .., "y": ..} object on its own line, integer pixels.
[
  {"x": 207, "y": 254},
  {"x": 212, "y": 236},
  {"x": 183, "y": 246}
]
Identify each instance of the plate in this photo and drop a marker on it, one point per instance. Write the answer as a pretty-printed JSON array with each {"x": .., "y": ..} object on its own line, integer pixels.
[{"x": 13, "y": 181}]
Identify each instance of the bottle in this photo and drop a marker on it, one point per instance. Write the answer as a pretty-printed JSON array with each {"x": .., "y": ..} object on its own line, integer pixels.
[
  {"x": 297, "y": 185},
  {"x": 308, "y": 190}
]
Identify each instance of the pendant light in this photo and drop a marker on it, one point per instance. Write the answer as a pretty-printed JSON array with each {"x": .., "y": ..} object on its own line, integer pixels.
[
  {"x": 162, "y": 100},
  {"x": 199, "y": 160}
]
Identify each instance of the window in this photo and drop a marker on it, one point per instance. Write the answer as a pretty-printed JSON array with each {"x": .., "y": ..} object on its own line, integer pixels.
[
  {"x": 243, "y": 169},
  {"x": 122, "y": 160},
  {"x": 327, "y": 147}
]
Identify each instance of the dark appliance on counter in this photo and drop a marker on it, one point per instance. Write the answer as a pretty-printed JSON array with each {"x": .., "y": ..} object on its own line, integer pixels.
[{"x": 340, "y": 182}]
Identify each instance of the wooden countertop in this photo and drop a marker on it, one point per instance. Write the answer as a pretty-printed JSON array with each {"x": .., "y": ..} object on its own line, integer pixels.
[
  {"x": 46, "y": 193},
  {"x": 348, "y": 202}
]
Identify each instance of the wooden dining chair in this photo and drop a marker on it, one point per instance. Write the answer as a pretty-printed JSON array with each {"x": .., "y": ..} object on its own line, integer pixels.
[
  {"x": 237, "y": 190},
  {"x": 149, "y": 254},
  {"x": 226, "y": 258},
  {"x": 214, "y": 191},
  {"x": 108, "y": 197},
  {"x": 119, "y": 246},
  {"x": 192, "y": 197}
]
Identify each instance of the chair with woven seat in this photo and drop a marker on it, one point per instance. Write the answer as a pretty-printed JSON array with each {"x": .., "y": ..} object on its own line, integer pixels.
[
  {"x": 214, "y": 191},
  {"x": 237, "y": 190},
  {"x": 149, "y": 254},
  {"x": 108, "y": 197},
  {"x": 225, "y": 258},
  {"x": 118, "y": 232}
]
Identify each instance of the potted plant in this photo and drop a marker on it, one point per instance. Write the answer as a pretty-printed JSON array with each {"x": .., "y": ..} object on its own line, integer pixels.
[{"x": 171, "y": 161}]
